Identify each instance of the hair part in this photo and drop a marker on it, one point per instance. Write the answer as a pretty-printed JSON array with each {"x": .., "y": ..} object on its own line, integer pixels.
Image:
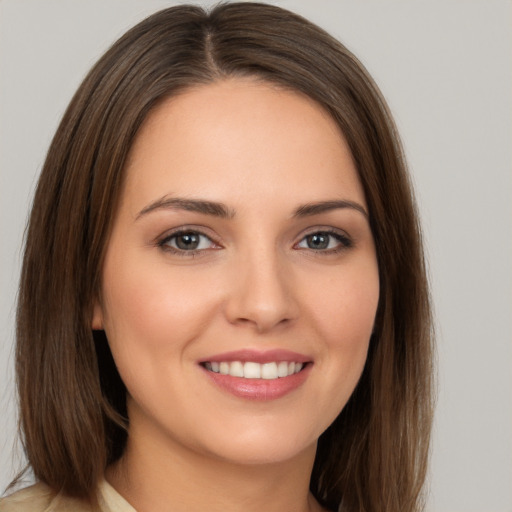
[{"x": 72, "y": 401}]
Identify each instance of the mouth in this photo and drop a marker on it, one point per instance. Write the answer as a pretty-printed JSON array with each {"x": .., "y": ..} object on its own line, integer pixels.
[
  {"x": 253, "y": 370},
  {"x": 257, "y": 375}
]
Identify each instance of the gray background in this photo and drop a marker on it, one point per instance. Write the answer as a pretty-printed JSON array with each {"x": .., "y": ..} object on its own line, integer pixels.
[{"x": 445, "y": 68}]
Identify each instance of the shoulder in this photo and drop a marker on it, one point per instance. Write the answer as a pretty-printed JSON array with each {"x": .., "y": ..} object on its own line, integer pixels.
[
  {"x": 40, "y": 498},
  {"x": 37, "y": 497}
]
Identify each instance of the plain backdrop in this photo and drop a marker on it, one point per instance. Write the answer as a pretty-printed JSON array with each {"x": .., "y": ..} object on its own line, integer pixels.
[{"x": 445, "y": 68}]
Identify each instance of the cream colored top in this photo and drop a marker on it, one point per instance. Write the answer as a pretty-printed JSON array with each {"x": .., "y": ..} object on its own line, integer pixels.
[{"x": 40, "y": 498}]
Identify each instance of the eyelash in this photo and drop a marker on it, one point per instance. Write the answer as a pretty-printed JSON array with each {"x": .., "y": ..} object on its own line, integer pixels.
[
  {"x": 344, "y": 241},
  {"x": 164, "y": 242}
]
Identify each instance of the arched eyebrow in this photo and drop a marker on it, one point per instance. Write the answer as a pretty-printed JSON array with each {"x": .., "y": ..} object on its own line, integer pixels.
[
  {"x": 217, "y": 209},
  {"x": 310, "y": 209},
  {"x": 192, "y": 205}
]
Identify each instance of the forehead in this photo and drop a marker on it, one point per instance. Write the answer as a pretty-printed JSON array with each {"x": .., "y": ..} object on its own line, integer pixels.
[{"x": 240, "y": 137}]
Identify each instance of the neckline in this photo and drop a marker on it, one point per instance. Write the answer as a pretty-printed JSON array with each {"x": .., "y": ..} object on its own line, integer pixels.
[{"x": 112, "y": 499}]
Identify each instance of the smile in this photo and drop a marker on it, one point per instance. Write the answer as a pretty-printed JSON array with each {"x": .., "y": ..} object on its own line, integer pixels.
[{"x": 253, "y": 370}]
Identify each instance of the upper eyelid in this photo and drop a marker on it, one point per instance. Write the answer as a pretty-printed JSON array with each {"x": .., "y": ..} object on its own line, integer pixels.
[
  {"x": 163, "y": 243},
  {"x": 207, "y": 232},
  {"x": 345, "y": 240},
  {"x": 324, "y": 229},
  {"x": 185, "y": 232},
  {"x": 187, "y": 229}
]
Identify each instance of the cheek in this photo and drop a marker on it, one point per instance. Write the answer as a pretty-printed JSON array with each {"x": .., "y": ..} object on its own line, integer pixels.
[
  {"x": 152, "y": 318},
  {"x": 346, "y": 305},
  {"x": 155, "y": 309},
  {"x": 344, "y": 315}
]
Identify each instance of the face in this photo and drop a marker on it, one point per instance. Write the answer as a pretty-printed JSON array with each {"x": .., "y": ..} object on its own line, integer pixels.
[{"x": 240, "y": 283}]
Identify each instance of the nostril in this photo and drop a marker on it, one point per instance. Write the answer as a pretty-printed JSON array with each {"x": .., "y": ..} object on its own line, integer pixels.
[{"x": 260, "y": 296}]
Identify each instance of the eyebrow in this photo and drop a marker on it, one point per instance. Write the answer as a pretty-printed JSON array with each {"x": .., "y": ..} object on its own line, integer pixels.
[
  {"x": 217, "y": 209},
  {"x": 192, "y": 205},
  {"x": 310, "y": 209}
]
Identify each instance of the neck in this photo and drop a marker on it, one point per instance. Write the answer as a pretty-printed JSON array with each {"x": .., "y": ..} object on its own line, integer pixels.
[{"x": 157, "y": 477}]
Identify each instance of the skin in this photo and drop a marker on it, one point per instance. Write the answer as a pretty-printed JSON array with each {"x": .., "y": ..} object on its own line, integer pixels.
[{"x": 254, "y": 283}]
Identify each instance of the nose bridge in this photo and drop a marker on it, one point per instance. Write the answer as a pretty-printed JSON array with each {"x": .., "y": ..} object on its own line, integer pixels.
[{"x": 261, "y": 293}]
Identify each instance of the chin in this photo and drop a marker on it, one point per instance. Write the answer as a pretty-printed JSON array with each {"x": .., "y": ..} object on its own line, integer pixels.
[
  {"x": 261, "y": 444},
  {"x": 264, "y": 453}
]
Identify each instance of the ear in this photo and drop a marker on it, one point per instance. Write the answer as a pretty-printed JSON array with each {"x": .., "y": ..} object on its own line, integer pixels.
[{"x": 97, "y": 317}]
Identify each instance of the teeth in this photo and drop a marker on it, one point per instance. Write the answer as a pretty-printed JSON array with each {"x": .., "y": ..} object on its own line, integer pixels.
[
  {"x": 282, "y": 369},
  {"x": 236, "y": 369},
  {"x": 269, "y": 371},
  {"x": 251, "y": 370}
]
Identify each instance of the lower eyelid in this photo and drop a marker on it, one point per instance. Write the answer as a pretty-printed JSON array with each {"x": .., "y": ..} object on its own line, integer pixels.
[
  {"x": 164, "y": 242},
  {"x": 344, "y": 240}
]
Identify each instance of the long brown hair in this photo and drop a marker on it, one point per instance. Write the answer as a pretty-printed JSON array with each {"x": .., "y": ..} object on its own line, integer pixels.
[{"x": 72, "y": 400}]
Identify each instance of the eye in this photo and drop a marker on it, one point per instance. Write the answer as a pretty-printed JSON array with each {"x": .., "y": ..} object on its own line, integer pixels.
[
  {"x": 187, "y": 241},
  {"x": 327, "y": 241}
]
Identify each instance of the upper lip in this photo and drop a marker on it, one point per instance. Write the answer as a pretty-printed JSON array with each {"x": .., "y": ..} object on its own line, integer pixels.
[{"x": 258, "y": 356}]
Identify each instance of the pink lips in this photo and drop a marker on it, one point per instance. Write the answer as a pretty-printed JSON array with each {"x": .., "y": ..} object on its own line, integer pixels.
[
  {"x": 259, "y": 357},
  {"x": 259, "y": 389}
]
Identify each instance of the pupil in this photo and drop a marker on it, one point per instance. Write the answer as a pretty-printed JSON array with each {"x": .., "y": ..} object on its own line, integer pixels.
[
  {"x": 318, "y": 241},
  {"x": 187, "y": 241}
]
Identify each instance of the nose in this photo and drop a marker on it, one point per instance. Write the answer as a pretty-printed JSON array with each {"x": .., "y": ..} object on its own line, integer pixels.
[{"x": 262, "y": 293}]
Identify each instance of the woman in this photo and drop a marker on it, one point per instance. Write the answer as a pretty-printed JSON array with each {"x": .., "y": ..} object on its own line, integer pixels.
[{"x": 223, "y": 300}]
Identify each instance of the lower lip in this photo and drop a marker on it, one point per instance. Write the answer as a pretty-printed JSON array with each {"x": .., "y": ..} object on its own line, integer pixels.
[{"x": 259, "y": 389}]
